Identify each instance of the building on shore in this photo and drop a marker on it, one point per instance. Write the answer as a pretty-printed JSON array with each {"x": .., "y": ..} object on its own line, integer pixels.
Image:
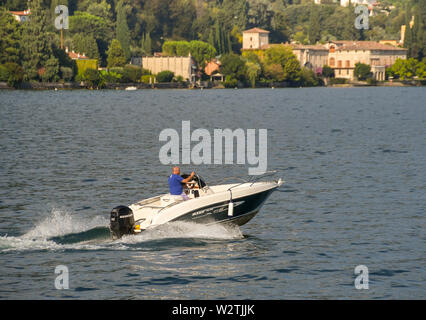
[
  {"x": 311, "y": 56},
  {"x": 342, "y": 56},
  {"x": 75, "y": 55},
  {"x": 255, "y": 38},
  {"x": 180, "y": 66},
  {"x": 21, "y": 16},
  {"x": 212, "y": 69}
]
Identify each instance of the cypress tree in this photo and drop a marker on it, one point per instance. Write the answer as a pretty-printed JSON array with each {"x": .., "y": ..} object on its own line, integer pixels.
[
  {"x": 421, "y": 39},
  {"x": 314, "y": 33},
  {"x": 143, "y": 44},
  {"x": 218, "y": 41},
  {"x": 229, "y": 43},
  {"x": 147, "y": 47},
  {"x": 10, "y": 35},
  {"x": 36, "y": 45},
  {"x": 116, "y": 56},
  {"x": 408, "y": 38},
  {"x": 123, "y": 32},
  {"x": 211, "y": 38}
]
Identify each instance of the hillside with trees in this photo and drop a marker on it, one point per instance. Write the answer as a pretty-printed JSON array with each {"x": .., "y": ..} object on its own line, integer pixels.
[{"x": 208, "y": 27}]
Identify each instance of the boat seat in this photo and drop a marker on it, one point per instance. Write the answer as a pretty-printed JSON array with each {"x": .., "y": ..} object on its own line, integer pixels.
[{"x": 169, "y": 199}]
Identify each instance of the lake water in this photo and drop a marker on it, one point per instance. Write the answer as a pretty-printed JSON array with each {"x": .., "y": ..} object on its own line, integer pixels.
[{"x": 355, "y": 194}]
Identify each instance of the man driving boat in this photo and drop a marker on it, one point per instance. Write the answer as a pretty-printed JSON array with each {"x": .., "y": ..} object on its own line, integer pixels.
[{"x": 176, "y": 183}]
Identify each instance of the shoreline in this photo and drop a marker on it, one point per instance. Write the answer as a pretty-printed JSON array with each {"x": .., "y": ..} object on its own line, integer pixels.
[{"x": 40, "y": 86}]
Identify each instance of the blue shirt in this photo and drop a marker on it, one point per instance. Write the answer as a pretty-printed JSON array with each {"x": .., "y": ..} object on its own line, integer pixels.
[{"x": 175, "y": 184}]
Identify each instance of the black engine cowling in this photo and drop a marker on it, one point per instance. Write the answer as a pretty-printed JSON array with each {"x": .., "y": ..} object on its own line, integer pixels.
[{"x": 121, "y": 221}]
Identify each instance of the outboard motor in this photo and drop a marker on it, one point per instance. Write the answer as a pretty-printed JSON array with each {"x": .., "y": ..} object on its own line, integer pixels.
[{"x": 121, "y": 222}]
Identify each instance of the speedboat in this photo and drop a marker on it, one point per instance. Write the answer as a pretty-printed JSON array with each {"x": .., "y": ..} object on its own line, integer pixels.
[{"x": 235, "y": 204}]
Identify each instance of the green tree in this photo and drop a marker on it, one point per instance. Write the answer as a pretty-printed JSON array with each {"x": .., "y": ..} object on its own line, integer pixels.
[
  {"x": 165, "y": 76},
  {"x": 11, "y": 72},
  {"x": 233, "y": 67},
  {"x": 327, "y": 72},
  {"x": 15, "y": 5},
  {"x": 253, "y": 71},
  {"x": 93, "y": 78},
  {"x": 169, "y": 48},
  {"x": 421, "y": 69},
  {"x": 234, "y": 13},
  {"x": 418, "y": 40},
  {"x": 218, "y": 38},
  {"x": 116, "y": 55},
  {"x": 260, "y": 14},
  {"x": 123, "y": 33},
  {"x": 408, "y": 37},
  {"x": 308, "y": 78},
  {"x": 406, "y": 69},
  {"x": 132, "y": 73},
  {"x": 274, "y": 72},
  {"x": 182, "y": 48},
  {"x": 51, "y": 70},
  {"x": 67, "y": 73},
  {"x": 91, "y": 25},
  {"x": 146, "y": 44},
  {"x": 86, "y": 44},
  {"x": 181, "y": 15},
  {"x": 211, "y": 38},
  {"x": 283, "y": 55},
  {"x": 10, "y": 35},
  {"x": 314, "y": 33},
  {"x": 36, "y": 41},
  {"x": 280, "y": 32},
  {"x": 202, "y": 52},
  {"x": 100, "y": 8},
  {"x": 362, "y": 71}
]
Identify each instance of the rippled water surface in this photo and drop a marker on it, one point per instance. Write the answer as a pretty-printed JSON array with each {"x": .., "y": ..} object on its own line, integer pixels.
[{"x": 355, "y": 194}]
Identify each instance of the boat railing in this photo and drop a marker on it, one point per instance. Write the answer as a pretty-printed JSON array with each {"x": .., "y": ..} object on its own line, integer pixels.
[
  {"x": 253, "y": 179},
  {"x": 266, "y": 174},
  {"x": 152, "y": 207},
  {"x": 169, "y": 205},
  {"x": 147, "y": 201}
]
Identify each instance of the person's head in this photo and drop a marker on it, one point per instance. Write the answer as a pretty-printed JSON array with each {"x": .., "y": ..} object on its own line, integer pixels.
[{"x": 176, "y": 170}]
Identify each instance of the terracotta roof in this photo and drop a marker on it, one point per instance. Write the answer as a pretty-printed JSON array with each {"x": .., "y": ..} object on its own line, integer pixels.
[
  {"x": 21, "y": 13},
  {"x": 75, "y": 55},
  {"x": 310, "y": 47},
  {"x": 215, "y": 61},
  {"x": 365, "y": 45},
  {"x": 256, "y": 30},
  {"x": 270, "y": 45},
  {"x": 265, "y": 46}
]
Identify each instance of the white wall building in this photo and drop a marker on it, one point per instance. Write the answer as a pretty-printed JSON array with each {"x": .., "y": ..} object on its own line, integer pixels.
[
  {"x": 255, "y": 39},
  {"x": 180, "y": 66},
  {"x": 345, "y": 3}
]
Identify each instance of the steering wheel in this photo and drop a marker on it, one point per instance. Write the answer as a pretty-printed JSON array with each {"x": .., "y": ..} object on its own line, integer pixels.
[{"x": 193, "y": 184}]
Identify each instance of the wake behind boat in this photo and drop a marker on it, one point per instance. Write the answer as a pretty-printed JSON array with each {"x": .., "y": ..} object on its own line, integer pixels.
[{"x": 235, "y": 203}]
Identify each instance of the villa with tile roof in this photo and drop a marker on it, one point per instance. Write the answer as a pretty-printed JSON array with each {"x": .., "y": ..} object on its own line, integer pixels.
[
  {"x": 339, "y": 55},
  {"x": 344, "y": 55},
  {"x": 21, "y": 16}
]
